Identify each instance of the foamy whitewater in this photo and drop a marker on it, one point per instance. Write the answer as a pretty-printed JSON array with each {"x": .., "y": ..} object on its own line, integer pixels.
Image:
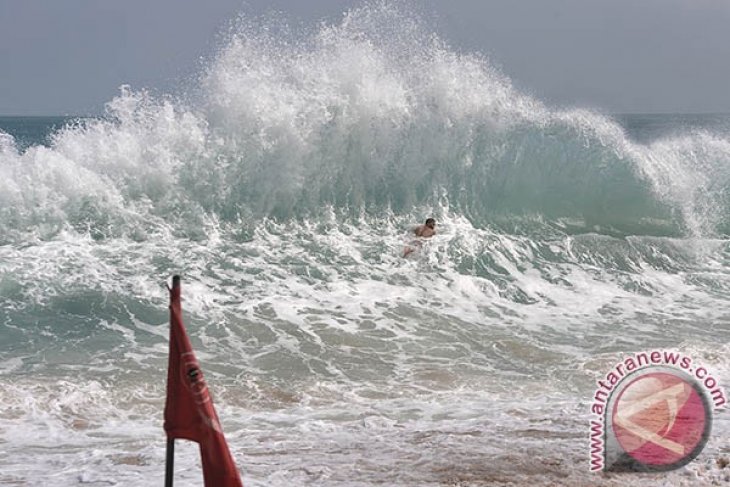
[{"x": 282, "y": 189}]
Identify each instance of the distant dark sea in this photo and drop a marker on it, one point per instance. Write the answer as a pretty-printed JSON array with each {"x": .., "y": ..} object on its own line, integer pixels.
[
  {"x": 30, "y": 131},
  {"x": 645, "y": 128}
]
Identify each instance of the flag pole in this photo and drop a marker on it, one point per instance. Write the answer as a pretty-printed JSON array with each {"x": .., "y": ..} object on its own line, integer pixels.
[{"x": 170, "y": 460}]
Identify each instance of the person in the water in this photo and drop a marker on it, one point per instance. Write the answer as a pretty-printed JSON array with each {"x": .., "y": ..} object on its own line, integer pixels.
[{"x": 426, "y": 230}]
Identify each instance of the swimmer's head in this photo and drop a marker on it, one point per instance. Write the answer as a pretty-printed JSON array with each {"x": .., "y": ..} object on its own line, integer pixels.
[{"x": 431, "y": 223}]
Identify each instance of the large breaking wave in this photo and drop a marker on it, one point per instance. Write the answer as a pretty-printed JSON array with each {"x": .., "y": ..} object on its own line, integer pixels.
[{"x": 374, "y": 115}]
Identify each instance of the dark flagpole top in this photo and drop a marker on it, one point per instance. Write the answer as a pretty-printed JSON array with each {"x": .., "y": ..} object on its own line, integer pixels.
[{"x": 175, "y": 289}]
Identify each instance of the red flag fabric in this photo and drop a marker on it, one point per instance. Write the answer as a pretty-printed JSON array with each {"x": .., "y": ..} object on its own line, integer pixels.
[{"x": 189, "y": 411}]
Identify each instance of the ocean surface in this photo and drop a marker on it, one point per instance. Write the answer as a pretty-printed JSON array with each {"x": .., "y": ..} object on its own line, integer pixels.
[{"x": 283, "y": 188}]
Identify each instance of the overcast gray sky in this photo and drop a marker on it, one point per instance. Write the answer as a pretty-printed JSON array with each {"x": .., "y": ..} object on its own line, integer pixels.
[{"x": 71, "y": 56}]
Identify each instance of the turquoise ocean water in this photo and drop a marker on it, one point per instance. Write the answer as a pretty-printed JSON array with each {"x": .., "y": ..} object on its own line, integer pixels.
[{"x": 283, "y": 188}]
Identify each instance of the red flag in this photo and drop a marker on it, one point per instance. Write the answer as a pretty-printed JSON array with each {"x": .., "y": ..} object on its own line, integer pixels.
[{"x": 189, "y": 411}]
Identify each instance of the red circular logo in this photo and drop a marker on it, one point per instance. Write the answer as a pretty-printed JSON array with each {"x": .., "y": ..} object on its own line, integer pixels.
[
  {"x": 661, "y": 420},
  {"x": 193, "y": 378}
]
